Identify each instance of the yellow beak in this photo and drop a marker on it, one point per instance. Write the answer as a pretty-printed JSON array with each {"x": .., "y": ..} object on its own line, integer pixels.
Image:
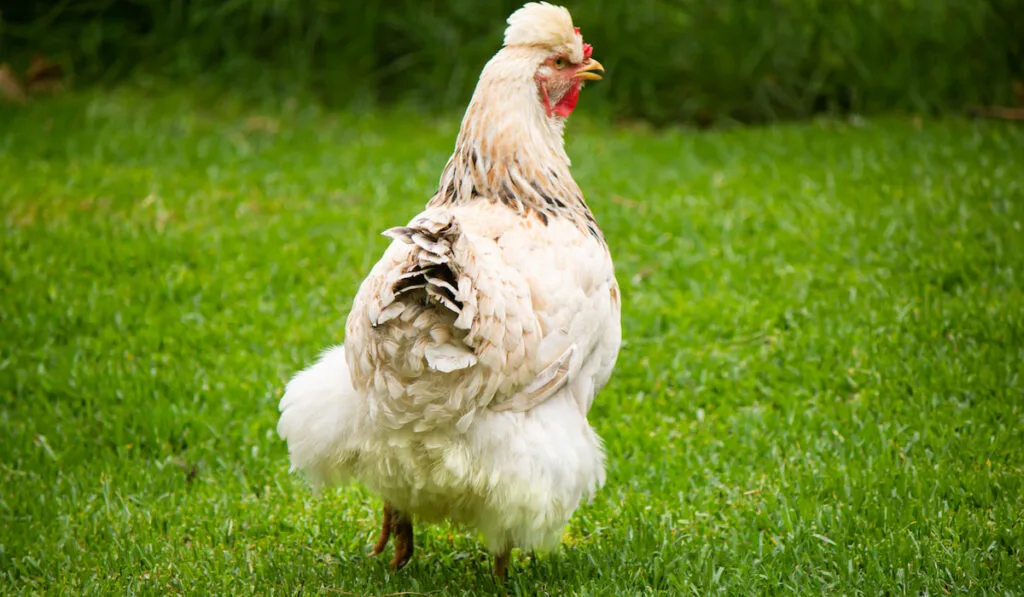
[{"x": 591, "y": 71}]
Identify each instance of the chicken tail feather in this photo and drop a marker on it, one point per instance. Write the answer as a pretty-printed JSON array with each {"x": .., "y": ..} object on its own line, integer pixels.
[{"x": 321, "y": 415}]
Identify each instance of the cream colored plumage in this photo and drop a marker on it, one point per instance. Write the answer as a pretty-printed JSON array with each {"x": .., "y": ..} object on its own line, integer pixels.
[{"x": 476, "y": 345}]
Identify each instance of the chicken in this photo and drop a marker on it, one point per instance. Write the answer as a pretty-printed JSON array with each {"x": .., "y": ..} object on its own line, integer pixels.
[{"x": 476, "y": 345}]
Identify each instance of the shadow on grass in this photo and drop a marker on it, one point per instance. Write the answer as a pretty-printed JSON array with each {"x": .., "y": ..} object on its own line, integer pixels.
[{"x": 439, "y": 569}]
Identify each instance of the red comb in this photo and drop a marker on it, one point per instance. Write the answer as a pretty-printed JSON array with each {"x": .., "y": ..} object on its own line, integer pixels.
[{"x": 587, "y": 48}]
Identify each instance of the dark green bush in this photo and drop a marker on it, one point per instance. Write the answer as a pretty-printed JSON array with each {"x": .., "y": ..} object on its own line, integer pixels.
[{"x": 751, "y": 60}]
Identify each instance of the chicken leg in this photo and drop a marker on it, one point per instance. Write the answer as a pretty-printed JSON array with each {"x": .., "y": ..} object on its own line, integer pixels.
[
  {"x": 501, "y": 561},
  {"x": 385, "y": 532},
  {"x": 400, "y": 525}
]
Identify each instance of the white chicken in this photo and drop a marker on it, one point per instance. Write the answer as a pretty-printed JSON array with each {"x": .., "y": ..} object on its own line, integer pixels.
[{"x": 476, "y": 345}]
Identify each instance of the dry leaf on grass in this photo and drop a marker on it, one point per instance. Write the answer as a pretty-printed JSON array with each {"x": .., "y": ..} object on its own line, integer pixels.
[
  {"x": 10, "y": 87},
  {"x": 263, "y": 124},
  {"x": 1003, "y": 112},
  {"x": 998, "y": 112},
  {"x": 44, "y": 75}
]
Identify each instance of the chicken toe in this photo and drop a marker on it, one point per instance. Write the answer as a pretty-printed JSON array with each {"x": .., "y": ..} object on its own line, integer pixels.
[
  {"x": 402, "y": 529},
  {"x": 385, "y": 531}
]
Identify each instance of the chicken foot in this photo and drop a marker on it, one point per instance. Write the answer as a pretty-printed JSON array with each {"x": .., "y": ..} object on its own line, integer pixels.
[
  {"x": 385, "y": 532},
  {"x": 399, "y": 524}
]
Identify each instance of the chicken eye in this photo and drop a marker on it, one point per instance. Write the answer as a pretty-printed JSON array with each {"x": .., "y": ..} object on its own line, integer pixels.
[{"x": 561, "y": 63}]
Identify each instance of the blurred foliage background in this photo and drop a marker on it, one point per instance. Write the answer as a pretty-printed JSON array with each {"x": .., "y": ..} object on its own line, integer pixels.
[{"x": 668, "y": 60}]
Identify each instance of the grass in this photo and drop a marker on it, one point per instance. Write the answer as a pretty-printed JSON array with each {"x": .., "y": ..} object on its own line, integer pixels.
[{"x": 820, "y": 388}]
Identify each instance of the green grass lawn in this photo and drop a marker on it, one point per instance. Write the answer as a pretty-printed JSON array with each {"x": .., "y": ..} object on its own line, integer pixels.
[{"x": 820, "y": 387}]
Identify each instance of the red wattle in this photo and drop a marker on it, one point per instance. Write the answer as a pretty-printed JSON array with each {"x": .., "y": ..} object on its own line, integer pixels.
[{"x": 567, "y": 104}]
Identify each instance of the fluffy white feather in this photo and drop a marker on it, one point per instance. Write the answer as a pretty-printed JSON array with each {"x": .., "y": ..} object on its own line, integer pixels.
[
  {"x": 546, "y": 26},
  {"x": 320, "y": 417}
]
